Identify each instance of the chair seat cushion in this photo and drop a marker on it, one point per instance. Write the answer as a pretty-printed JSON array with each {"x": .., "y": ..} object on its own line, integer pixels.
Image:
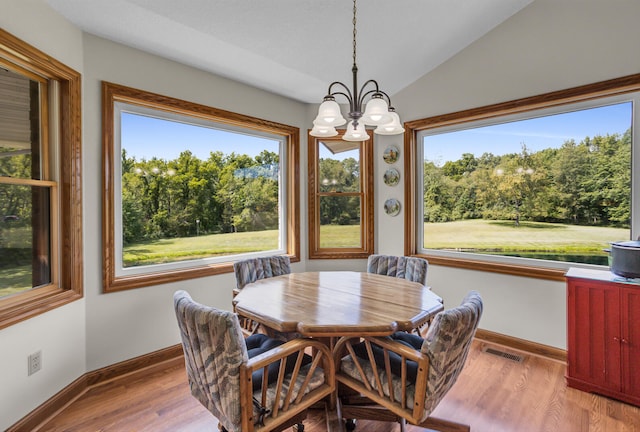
[
  {"x": 408, "y": 339},
  {"x": 260, "y": 343},
  {"x": 348, "y": 366}
]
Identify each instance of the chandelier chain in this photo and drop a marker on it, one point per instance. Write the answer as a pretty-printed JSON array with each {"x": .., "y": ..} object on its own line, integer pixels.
[{"x": 354, "y": 32}]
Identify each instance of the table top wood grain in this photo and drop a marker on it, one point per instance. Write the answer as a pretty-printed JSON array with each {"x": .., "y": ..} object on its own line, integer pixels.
[{"x": 327, "y": 304}]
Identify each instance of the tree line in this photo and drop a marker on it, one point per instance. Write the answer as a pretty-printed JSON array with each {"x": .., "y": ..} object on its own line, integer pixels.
[
  {"x": 586, "y": 183},
  {"x": 188, "y": 196},
  {"x": 225, "y": 193}
]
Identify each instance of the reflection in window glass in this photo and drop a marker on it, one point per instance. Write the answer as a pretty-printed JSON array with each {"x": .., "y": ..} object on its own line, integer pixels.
[
  {"x": 192, "y": 191},
  {"x": 556, "y": 187},
  {"x": 24, "y": 209},
  {"x": 19, "y": 125}
]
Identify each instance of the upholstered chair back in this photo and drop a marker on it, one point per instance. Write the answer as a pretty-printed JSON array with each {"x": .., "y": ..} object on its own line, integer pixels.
[
  {"x": 410, "y": 268},
  {"x": 214, "y": 349},
  {"x": 253, "y": 269},
  {"x": 447, "y": 344}
]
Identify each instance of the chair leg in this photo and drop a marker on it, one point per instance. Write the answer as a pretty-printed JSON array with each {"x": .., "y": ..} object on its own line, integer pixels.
[{"x": 403, "y": 425}]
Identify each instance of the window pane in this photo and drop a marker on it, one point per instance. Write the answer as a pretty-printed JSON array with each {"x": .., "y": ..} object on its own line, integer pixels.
[
  {"x": 24, "y": 238},
  {"x": 19, "y": 126},
  {"x": 191, "y": 192},
  {"x": 340, "y": 222},
  {"x": 339, "y": 166},
  {"x": 556, "y": 187}
]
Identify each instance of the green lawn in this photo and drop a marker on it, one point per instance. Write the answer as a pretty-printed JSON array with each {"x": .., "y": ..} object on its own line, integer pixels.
[
  {"x": 469, "y": 235},
  {"x": 178, "y": 249},
  {"x": 529, "y": 236},
  {"x": 340, "y": 236}
]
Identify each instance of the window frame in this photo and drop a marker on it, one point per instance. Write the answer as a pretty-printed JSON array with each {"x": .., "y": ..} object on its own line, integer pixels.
[
  {"x": 366, "y": 207},
  {"x": 590, "y": 93},
  {"x": 113, "y": 94},
  {"x": 64, "y": 179}
]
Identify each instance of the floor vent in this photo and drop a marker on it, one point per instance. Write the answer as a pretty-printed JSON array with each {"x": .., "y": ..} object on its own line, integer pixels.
[{"x": 509, "y": 356}]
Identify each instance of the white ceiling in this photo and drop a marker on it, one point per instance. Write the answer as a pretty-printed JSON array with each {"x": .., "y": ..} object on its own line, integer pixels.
[{"x": 296, "y": 47}]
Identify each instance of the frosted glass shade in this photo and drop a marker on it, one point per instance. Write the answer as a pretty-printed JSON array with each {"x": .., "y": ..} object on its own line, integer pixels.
[
  {"x": 376, "y": 112},
  {"x": 392, "y": 128},
  {"x": 323, "y": 131},
  {"x": 329, "y": 114},
  {"x": 357, "y": 134}
]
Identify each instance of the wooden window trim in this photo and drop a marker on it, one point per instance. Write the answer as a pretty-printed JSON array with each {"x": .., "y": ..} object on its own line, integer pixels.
[
  {"x": 112, "y": 93},
  {"x": 367, "y": 209},
  {"x": 67, "y": 282},
  {"x": 613, "y": 87}
]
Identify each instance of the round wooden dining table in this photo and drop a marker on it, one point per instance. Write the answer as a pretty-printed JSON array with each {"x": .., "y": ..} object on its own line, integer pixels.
[{"x": 338, "y": 303}]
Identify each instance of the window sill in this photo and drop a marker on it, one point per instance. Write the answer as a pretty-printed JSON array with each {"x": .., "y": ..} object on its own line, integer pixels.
[{"x": 492, "y": 267}]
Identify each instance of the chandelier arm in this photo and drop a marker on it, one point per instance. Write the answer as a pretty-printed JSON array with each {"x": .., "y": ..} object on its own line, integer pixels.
[
  {"x": 364, "y": 94},
  {"x": 349, "y": 99},
  {"x": 348, "y": 95}
]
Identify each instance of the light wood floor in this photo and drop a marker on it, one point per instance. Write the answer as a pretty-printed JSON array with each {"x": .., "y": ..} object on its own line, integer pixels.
[{"x": 493, "y": 394}]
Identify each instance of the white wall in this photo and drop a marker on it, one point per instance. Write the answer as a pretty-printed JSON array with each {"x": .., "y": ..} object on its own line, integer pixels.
[
  {"x": 146, "y": 315},
  {"x": 60, "y": 334},
  {"x": 550, "y": 45}
]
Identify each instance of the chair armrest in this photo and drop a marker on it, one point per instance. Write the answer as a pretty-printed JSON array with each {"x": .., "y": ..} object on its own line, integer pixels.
[
  {"x": 380, "y": 387},
  {"x": 293, "y": 391}
]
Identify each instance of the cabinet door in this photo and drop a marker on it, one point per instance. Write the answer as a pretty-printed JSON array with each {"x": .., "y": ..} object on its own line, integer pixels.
[
  {"x": 593, "y": 327},
  {"x": 630, "y": 341}
]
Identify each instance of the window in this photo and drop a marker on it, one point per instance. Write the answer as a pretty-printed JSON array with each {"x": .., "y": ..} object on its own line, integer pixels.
[
  {"x": 40, "y": 182},
  {"x": 189, "y": 189},
  {"x": 530, "y": 184},
  {"x": 340, "y": 198}
]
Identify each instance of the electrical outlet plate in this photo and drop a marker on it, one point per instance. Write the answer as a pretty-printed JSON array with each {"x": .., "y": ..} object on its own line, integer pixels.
[{"x": 35, "y": 362}]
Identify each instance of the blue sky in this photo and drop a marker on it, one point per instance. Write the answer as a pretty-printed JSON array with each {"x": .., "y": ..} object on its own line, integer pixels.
[
  {"x": 536, "y": 134},
  {"x": 146, "y": 137}
]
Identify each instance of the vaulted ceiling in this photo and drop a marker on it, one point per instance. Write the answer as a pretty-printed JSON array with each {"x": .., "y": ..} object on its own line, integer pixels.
[{"x": 296, "y": 47}]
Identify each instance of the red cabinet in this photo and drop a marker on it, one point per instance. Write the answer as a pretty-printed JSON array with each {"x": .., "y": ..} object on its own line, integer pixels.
[{"x": 603, "y": 334}]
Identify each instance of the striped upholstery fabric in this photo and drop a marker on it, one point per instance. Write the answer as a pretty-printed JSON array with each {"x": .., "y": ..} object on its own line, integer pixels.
[
  {"x": 410, "y": 268},
  {"x": 413, "y": 269},
  {"x": 214, "y": 349},
  {"x": 446, "y": 344},
  {"x": 250, "y": 270}
]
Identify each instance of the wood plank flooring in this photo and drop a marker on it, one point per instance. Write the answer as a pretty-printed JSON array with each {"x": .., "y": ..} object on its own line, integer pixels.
[{"x": 493, "y": 394}]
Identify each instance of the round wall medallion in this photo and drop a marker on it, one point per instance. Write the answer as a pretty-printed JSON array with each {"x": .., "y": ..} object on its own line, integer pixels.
[
  {"x": 391, "y": 154},
  {"x": 392, "y": 207},
  {"x": 391, "y": 177}
]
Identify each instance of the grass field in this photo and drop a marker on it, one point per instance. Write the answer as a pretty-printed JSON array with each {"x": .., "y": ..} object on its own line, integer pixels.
[
  {"x": 469, "y": 235},
  {"x": 528, "y": 237}
]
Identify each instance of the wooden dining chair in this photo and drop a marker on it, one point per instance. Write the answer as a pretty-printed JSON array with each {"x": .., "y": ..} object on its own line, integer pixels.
[
  {"x": 410, "y": 268},
  {"x": 253, "y": 269},
  {"x": 413, "y": 269},
  {"x": 254, "y": 384},
  {"x": 403, "y": 377}
]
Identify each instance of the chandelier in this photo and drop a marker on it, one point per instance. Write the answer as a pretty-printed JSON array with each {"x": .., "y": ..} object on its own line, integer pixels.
[{"x": 378, "y": 112}]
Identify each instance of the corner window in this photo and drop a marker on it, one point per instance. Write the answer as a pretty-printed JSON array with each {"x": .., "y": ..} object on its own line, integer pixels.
[
  {"x": 40, "y": 182},
  {"x": 193, "y": 188},
  {"x": 340, "y": 198},
  {"x": 546, "y": 184}
]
